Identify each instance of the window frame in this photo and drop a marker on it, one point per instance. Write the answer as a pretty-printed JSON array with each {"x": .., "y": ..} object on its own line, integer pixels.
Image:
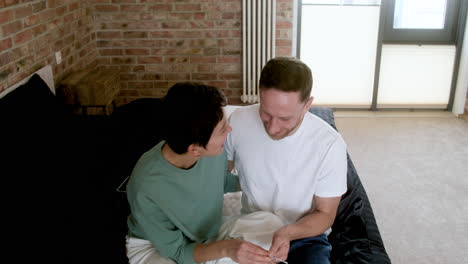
[{"x": 445, "y": 36}]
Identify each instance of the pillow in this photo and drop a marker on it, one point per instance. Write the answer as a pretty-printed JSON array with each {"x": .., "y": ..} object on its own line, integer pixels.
[
  {"x": 32, "y": 98},
  {"x": 30, "y": 129}
]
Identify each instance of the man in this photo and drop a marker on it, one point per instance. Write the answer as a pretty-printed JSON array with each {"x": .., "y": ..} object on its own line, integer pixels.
[
  {"x": 176, "y": 189},
  {"x": 290, "y": 162}
]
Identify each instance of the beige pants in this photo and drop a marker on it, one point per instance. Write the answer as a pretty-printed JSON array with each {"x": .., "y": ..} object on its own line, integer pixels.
[{"x": 140, "y": 251}]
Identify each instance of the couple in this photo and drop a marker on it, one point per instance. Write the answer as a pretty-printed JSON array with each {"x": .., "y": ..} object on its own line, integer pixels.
[{"x": 290, "y": 164}]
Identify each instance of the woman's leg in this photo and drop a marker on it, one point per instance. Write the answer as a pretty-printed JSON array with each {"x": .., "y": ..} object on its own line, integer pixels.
[{"x": 140, "y": 251}]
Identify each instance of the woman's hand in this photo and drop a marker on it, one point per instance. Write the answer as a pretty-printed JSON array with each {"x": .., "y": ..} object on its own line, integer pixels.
[{"x": 244, "y": 252}]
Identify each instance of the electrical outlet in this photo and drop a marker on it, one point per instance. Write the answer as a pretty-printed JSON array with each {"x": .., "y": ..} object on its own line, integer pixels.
[{"x": 58, "y": 57}]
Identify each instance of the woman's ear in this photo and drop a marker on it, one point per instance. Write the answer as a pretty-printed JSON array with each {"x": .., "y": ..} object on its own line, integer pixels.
[{"x": 194, "y": 150}]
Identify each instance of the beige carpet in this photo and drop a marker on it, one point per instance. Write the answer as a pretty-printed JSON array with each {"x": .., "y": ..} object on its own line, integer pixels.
[{"x": 414, "y": 167}]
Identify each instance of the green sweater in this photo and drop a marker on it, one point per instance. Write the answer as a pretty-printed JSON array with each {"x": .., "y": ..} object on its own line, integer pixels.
[{"x": 175, "y": 208}]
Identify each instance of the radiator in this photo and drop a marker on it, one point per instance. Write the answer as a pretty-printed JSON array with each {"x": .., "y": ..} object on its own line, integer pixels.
[{"x": 258, "y": 43}]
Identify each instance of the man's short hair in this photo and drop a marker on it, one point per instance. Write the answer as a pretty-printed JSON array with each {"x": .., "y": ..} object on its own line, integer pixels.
[
  {"x": 287, "y": 74},
  {"x": 192, "y": 111}
]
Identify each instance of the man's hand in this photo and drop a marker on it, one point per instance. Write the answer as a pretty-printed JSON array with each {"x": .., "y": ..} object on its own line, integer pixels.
[
  {"x": 244, "y": 252},
  {"x": 280, "y": 244}
]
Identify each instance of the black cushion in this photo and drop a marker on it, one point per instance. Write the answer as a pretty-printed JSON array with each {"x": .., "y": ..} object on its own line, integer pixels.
[{"x": 355, "y": 237}]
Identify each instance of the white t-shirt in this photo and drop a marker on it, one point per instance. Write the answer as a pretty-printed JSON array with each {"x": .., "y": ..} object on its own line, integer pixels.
[{"x": 282, "y": 176}]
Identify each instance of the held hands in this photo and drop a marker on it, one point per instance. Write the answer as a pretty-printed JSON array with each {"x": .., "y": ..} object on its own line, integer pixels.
[
  {"x": 244, "y": 252},
  {"x": 280, "y": 244}
]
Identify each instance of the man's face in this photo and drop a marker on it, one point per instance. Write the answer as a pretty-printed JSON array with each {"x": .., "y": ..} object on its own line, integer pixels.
[
  {"x": 281, "y": 112},
  {"x": 215, "y": 145}
]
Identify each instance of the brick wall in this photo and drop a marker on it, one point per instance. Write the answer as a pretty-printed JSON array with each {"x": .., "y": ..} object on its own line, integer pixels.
[
  {"x": 155, "y": 43},
  {"x": 32, "y": 31}
]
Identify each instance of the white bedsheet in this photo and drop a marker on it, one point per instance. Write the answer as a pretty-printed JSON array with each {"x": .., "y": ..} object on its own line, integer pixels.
[{"x": 257, "y": 228}]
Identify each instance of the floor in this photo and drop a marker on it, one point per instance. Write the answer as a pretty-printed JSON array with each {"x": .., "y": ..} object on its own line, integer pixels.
[{"x": 414, "y": 167}]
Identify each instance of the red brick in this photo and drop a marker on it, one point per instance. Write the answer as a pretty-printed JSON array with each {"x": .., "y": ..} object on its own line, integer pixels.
[
  {"x": 165, "y": 34},
  {"x": 204, "y": 76},
  {"x": 160, "y": 7},
  {"x": 230, "y": 59},
  {"x": 203, "y": 59},
  {"x": 106, "y": 8},
  {"x": 60, "y": 11},
  {"x": 199, "y": 15},
  {"x": 180, "y": 16},
  {"x": 5, "y": 58},
  {"x": 174, "y": 25},
  {"x": 230, "y": 76},
  {"x": 228, "y": 15},
  {"x": 5, "y": 44},
  {"x": 140, "y": 85},
  {"x": 23, "y": 11},
  {"x": 177, "y": 59},
  {"x": 123, "y": 60},
  {"x": 216, "y": 33},
  {"x": 136, "y": 52},
  {"x": 109, "y": 34},
  {"x": 156, "y": 68},
  {"x": 37, "y": 7},
  {"x": 31, "y": 20},
  {"x": 187, "y": 7},
  {"x": 135, "y": 34},
  {"x": 127, "y": 77},
  {"x": 205, "y": 67},
  {"x": 283, "y": 51},
  {"x": 46, "y": 15},
  {"x": 149, "y": 60},
  {"x": 7, "y": 3},
  {"x": 132, "y": 8},
  {"x": 201, "y": 24},
  {"x": 283, "y": 42},
  {"x": 182, "y": 67},
  {"x": 139, "y": 68},
  {"x": 236, "y": 84},
  {"x": 23, "y": 37},
  {"x": 218, "y": 84},
  {"x": 283, "y": 24},
  {"x": 12, "y": 27},
  {"x": 38, "y": 30},
  {"x": 124, "y": 1},
  {"x": 152, "y": 43},
  {"x": 177, "y": 76},
  {"x": 110, "y": 52},
  {"x": 6, "y": 16}
]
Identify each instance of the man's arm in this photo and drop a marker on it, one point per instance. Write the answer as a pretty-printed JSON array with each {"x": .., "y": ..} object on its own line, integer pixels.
[
  {"x": 312, "y": 224},
  {"x": 318, "y": 221}
]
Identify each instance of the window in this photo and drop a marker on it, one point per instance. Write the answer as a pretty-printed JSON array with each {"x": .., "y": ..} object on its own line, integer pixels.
[
  {"x": 421, "y": 21},
  {"x": 342, "y": 2},
  {"x": 428, "y": 14}
]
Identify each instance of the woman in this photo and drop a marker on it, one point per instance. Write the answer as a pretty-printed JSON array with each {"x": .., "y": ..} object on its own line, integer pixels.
[{"x": 176, "y": 189}]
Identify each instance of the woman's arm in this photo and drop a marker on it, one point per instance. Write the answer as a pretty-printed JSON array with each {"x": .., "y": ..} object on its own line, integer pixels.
[{"x": 238, "y": 250}]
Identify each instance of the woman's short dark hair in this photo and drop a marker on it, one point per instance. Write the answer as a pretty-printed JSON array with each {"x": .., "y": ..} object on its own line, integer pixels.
[
  {"x": 192, "y": 111},
  {"x": 287, "y": 74}
]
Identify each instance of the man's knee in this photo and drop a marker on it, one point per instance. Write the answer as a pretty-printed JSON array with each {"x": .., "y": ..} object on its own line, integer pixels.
[{"x": 310, "y": 250}]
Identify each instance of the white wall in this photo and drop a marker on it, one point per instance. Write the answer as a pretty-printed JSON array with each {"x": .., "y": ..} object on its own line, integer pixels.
[{"x": 462, "y": 82}]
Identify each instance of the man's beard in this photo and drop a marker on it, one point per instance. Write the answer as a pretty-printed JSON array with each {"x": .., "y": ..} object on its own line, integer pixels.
[{"x": 285, "y": 134}]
